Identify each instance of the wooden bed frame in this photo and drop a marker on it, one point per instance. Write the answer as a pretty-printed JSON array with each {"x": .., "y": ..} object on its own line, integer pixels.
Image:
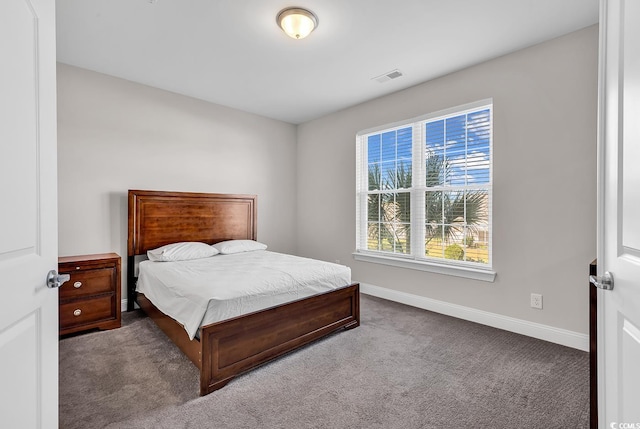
[{"x": 230, "y": 347}]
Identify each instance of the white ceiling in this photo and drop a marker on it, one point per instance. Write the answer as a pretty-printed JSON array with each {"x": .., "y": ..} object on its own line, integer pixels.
[{"x": 231, "y": 52}]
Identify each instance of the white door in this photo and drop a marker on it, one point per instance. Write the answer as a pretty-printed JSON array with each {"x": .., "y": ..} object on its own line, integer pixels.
[
  {"x": 28, "y": 215},
  {"x": 619, "y": 215}
]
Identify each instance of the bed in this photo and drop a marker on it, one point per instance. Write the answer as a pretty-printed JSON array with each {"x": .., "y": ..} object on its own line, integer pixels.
[{"x": 227, "y": 348}]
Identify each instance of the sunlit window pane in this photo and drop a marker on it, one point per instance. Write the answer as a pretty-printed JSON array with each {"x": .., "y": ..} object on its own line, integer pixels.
[{"x": 452, "y": 156}]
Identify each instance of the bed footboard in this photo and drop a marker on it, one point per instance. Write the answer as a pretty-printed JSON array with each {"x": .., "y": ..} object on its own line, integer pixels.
[{"x": 236, "y": 345}]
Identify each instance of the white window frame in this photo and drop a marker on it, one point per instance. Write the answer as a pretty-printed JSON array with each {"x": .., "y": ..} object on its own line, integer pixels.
[{"x": 464, "y": 269}]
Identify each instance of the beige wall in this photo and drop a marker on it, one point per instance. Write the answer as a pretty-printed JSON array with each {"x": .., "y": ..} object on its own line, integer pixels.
[
  {"x": 544, "y": 202},
  {"x": 115, "y": 135}
]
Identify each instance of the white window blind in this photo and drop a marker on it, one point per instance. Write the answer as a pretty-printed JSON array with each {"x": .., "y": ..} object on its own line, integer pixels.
[{"x": 424, "y": 188}]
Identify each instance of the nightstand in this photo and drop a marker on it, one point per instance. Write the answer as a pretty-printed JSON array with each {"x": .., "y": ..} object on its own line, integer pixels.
[{"x": 91, "y": 299}]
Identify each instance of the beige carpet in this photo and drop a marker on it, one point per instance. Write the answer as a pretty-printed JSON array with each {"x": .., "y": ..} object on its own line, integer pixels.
[{"x": 402, "y": 368}]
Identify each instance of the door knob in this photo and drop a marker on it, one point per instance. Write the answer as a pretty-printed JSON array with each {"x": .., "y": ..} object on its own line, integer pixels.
[
  {"x": 605, "y": 282},
  {"x": 55, "y": 280}
]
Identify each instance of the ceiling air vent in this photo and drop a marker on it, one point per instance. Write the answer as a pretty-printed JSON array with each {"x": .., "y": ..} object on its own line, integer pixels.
[{"x": 388, "y": 76}]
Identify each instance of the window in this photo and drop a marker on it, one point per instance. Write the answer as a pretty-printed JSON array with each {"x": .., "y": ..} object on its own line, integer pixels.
[{"x": 424, "y": 192}]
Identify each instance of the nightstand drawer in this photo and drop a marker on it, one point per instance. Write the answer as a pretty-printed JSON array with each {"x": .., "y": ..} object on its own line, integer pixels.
[
  {"x": 86, "y": 311},
  {"x": 89, "y": 282}
]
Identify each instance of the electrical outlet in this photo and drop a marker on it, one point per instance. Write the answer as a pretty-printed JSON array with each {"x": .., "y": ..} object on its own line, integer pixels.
[{"x": 536, "y": 301}]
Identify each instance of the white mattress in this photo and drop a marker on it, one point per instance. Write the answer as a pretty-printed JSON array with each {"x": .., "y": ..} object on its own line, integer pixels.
[{"x": 208, "y": 290}]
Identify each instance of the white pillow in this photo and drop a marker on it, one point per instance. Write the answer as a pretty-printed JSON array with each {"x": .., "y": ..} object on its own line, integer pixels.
[
  {"x": 237, "y": 246},
  {"x": 183, "y": 251}
]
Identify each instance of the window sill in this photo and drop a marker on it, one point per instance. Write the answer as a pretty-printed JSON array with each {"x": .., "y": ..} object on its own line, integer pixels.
[{"x": 458, "y": 271}]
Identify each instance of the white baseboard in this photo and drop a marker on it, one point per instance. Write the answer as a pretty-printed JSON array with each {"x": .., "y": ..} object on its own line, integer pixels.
[{"x": 536, "y": 330}]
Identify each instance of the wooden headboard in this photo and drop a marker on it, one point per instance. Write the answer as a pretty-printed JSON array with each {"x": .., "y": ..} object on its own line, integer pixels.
[{"x": 157, "y": 218}]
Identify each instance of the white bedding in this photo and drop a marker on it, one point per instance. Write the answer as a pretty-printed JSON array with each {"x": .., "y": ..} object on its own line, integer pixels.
[{"x": 208, "y": 290}]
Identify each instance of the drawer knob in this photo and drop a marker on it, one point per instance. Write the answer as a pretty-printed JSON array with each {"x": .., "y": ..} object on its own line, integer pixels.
[
  {"x": 77, "y": 312},
  {"x": 77, "y": 285}
]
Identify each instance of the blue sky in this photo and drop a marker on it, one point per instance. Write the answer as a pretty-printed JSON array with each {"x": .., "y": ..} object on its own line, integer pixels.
[{"x": 466, "y": 150}]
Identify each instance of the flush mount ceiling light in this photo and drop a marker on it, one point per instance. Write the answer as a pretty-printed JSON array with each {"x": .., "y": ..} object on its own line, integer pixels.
[{"x": 298, "y": 23}]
